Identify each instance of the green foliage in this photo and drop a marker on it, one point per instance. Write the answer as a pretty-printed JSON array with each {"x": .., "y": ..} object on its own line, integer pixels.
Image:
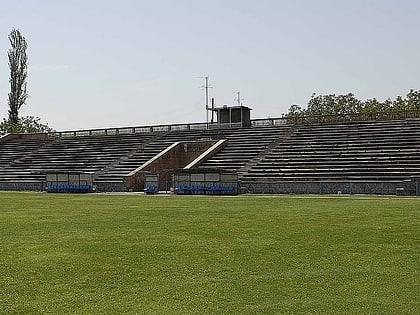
[
  {"x": 134, "y": 254},
  {"x": 26, "y": 124},
  {"x": 18, "y": 64},
  {"x": 327, "y": 108},
  {"x": 413, "y": 100}
]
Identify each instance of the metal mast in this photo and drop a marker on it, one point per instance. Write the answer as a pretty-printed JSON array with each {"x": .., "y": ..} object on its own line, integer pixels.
[
  {"x": 206, "y": 88},
  {"x": 238, "y": 98}
]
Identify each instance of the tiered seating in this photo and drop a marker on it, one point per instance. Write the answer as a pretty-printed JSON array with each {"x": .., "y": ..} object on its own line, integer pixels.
[
  {"x": 80, "y": 154},
  {"x": 110, "y": 157},
  {"x": 16, "y": 148},
  {"x": 351, "y": 151},
  {"x": 13, "y": 150},
  {"x": 243, "y": 145},
  {"x": 116, "y": 172},
  {"x": 354, "y": 151}
]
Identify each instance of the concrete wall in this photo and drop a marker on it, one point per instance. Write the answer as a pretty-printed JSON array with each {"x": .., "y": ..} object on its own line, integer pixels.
[
  {"x": 110, "y": 187},
  {"x": 24, "y": 186},
  {"x": 25, "y": 136},
  {"x": 374, "y": 188}
]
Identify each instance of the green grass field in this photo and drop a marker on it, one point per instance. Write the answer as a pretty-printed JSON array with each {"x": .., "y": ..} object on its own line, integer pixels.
[{"x": 135, "y": 254}]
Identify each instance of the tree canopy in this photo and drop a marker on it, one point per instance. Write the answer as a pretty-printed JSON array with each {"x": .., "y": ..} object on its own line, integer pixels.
[
  {"x": 331, "y": 107},
  {"x": 27, "y": 124}
]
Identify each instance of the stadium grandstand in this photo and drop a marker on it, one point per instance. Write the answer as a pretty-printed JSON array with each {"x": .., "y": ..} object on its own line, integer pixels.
[{"x": 267, "y": 155}]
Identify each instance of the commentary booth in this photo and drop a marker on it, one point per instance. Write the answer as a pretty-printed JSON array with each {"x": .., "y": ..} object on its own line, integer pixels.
[
  {"x": 70, "y": 182},
  {"x": 205, "y": 182},
  {"x": 233, "y": 116}
]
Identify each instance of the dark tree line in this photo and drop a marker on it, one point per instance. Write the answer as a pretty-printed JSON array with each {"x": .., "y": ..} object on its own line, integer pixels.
[{"x": 329, "y": 108}]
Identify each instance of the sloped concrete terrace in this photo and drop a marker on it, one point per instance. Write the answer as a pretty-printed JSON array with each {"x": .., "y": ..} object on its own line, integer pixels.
[{"x": 270, "y": 153}]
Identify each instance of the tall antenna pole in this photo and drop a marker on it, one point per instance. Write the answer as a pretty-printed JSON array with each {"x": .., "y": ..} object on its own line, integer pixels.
[
  {"x": 212, "y": 110},
  {"x": 238, "y": 98},
  {"x": 206, "y": 88}
]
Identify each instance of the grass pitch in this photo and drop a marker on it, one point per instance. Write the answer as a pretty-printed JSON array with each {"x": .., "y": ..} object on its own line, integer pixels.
[{"x": 113, "y": 254}]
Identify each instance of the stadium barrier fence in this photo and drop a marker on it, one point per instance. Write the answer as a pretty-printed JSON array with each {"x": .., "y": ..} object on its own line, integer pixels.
[
  {"x": 22, "y": 186},
  {"x": 333, "y": 187}
]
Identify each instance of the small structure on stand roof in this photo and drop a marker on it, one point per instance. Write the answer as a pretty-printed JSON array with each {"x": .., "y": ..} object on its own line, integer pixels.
[{"x": 233, "y": 116}]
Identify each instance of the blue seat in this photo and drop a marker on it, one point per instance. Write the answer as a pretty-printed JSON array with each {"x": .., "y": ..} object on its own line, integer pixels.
[{"x": 151, "y": 189}]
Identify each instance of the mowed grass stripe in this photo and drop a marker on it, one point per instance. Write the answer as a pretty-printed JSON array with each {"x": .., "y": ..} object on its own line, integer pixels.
[{"x": 107, "y": 254}]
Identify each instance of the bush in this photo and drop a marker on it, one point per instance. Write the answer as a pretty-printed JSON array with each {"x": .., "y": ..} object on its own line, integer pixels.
[{"x": 28, "y": 124}]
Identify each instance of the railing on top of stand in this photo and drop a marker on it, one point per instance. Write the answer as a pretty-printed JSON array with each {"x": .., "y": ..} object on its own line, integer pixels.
[
  {"x": 297, "y": 119},
  {"x": 165, "y": 128}
]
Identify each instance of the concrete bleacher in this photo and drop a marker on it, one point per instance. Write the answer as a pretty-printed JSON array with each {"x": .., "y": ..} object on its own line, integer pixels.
[
  {"x": 112, "y": 177},
  {"x": 243, "y": 145},
  {"x": 267, "y": 152},
  {"x": 110, "y": 156},
  {"x": 356, "y": 151},
  {"x": 16, "y": 148},
  {"x": 70, "y": 154}
]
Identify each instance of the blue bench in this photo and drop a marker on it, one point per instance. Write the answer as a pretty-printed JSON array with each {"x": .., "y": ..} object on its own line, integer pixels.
[
  {"x": 69, "y": 188},
  {"x": 214, "y": 190},
  {"x": 151, "y": 189}
]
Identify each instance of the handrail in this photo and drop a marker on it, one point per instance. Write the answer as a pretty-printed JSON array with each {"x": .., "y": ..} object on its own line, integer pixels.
[
  {"x": 261, "y": 122},
  {"x": 163, "y": 128}
]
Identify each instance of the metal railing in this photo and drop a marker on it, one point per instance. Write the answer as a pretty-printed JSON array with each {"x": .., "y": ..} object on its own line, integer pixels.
[
  {"x": 164, "y": 128},
  {"x": 265, "y": 122}
]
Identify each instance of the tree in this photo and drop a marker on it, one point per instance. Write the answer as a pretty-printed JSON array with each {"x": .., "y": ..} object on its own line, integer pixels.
[
  {"x": 325, "y": 108},
  {"x": 18, "y": 63},
  {"x": 27, "y": 124},
  {"x": 294, "y": 114},
  {"x": 413, "y": 100},
  {"x": 333, "y": 105}
]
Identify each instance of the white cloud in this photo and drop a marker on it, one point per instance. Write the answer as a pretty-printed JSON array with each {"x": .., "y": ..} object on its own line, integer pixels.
[
  {"x": 32, "y": 69},
  {"x": 60, "y": 67}
]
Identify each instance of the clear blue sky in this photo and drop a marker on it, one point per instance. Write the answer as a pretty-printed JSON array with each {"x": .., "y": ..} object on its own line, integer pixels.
[{"x": 124, "y": 63}]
